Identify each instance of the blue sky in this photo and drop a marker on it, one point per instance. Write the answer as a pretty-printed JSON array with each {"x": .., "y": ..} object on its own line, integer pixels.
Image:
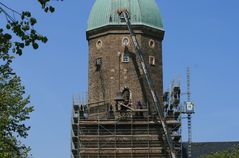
[{"x": 202, "y": 34}]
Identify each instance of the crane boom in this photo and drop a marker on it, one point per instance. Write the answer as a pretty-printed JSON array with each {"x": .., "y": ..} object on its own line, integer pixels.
[{"x": 149, "y": 82}]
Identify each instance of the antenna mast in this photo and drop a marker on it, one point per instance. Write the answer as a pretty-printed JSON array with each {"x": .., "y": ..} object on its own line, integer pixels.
[
  {"x": 189, "y": 112},
  {"x": 188, "y": 84}
]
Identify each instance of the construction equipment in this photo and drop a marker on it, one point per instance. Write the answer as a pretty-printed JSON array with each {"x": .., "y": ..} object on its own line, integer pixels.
[{"x": 124, "y": 14}]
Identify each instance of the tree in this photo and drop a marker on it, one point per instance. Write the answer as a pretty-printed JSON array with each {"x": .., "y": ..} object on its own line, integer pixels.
[
  {"x": 231, "y": 153},
  {"x": 17, "y": 33},
  {"x": 22, "y": 26},
  {"x": 13, "y": 112}
]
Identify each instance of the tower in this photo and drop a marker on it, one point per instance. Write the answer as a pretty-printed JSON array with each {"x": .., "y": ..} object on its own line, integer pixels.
[
  {"x": 113, "y": 63},
  {"x": 121, "y": 117}
]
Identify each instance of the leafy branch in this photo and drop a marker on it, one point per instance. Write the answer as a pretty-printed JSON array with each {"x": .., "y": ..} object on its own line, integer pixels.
[
  {"x": 22, "y": 26},
  {"x": 17, "y": 33}
]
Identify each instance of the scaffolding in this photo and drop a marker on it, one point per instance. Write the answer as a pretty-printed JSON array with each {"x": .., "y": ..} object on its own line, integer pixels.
[{"x": 128, "y": 133}]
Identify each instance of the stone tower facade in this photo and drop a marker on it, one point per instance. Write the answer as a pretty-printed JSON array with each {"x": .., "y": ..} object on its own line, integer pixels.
[
  {"x": 120, "y": 119},
  {"x": 113, "y": 63}
]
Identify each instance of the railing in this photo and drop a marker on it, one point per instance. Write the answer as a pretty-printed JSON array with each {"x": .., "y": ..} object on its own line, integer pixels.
[{"x": 126, "y": 129}]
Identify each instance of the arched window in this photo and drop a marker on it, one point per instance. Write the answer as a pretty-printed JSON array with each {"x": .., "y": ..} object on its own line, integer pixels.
[
  {"x": 152, "y": 60},
  {"x": 98, "y": 64},
  {"x": 126, "y": 94},
  {"x": 125, "y": 57}
]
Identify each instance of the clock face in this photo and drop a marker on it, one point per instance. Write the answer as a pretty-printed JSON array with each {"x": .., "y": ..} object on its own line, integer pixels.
[{"x": 189, "y": 106}]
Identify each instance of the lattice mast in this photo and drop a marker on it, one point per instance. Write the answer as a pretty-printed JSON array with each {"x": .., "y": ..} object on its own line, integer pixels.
[{"x": 189, "y": 112}]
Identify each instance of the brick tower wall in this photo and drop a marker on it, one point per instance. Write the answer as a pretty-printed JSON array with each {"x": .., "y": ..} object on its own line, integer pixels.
[{"x": 115, "y": 75}]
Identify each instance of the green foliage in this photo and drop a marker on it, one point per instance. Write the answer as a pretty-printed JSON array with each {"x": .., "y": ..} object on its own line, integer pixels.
[
  {"x": 46, "y": 6},
  {"x": 13, "y": 113},
  {"x": 22, "y": 28},
  {"x": 232, "y": 153},
  {"x": 17, "y": 34}
]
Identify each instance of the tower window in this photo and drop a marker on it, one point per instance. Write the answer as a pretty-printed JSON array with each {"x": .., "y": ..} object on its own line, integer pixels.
[
  {"x": 125, "y": 41},
  {"x": 121, "y": 15},
  {"x": 122, "y": 19},
  {"x": 110, "y": 19},
  {"x": 152, "y": 60},
  {"x": 151, "y": 43},
  {"x": 125, "y": 57},
  {"x": 99, "y": 44},
  {"x": 98, "y": 64},
  {"x": 126, "y": 94}
]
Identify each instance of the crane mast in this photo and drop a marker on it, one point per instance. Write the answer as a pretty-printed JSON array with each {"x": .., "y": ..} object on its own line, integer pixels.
[{"x": 124, "y": 14}]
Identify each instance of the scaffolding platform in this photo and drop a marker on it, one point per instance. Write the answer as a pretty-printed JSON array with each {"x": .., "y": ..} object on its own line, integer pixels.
[{"x": 124, "y": 136}]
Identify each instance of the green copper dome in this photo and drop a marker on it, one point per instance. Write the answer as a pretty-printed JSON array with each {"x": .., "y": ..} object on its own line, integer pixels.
[{"x": 142, "y": 12}]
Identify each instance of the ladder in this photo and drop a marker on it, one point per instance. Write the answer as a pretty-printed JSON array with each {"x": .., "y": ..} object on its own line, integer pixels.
[{"x": 125, "y": 15}]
